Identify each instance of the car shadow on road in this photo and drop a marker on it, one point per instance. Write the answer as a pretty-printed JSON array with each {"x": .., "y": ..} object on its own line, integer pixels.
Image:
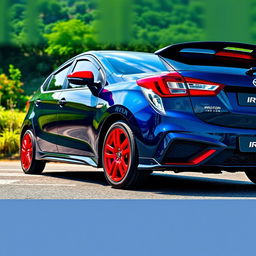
[
  {"x": 174, "y": 185},
  {"x": 88, "y": 176},
  {"x": 182, "y": 185}
]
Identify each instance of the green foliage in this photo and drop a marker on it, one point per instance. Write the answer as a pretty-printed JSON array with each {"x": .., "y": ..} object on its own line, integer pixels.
[
  {"x": 10, "y": 119},
  {"x": 10, "y": 123},
  {"x": 52, "y": 11},
  {"x": 11, "y": 92},
  {"x": 9, "y": 142},
  {"x": 69, "y": 37},
  {"x": 45, "y": 33},
  {"x": 186, "y": 31}
]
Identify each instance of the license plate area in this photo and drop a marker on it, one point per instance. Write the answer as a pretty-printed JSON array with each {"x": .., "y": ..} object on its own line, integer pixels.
[
  {"x": 247, "y": 99},
  {"x": 247, "y": 144}
]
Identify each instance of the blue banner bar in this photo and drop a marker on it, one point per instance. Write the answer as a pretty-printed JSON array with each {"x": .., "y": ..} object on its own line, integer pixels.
[{"x": 127, "y": 227}]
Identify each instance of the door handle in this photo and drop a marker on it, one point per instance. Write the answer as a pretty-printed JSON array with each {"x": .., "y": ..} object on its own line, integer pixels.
[
  {"x": 37, "y": 102},
  {"x": 62, "y": 102}
]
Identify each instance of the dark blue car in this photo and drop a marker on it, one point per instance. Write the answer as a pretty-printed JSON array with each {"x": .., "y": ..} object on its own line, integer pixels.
[{"x": 187, "y": 107}]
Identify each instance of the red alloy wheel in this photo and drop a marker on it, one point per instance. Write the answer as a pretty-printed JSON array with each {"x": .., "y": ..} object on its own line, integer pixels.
[
  {"x": 117, "y": 153},
  {"x": 26, "y": 151}
]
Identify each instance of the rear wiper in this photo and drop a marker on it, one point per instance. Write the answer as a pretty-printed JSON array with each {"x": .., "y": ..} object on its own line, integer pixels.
[{"x": 251, "y": 71}]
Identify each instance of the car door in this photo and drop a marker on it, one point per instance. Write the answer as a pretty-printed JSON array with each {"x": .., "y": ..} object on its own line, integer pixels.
[
  {"x": 76, "y": 114},
  {"x": 47, "y": 105}
]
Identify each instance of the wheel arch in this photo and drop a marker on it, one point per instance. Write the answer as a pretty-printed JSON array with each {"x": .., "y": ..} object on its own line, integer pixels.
[
  {"x": 26, "y": 125},
  {"x": 105, "y": 126}
]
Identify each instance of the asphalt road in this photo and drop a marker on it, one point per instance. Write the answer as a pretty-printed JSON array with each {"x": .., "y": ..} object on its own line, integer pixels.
[{"x": 65, "y": 181}]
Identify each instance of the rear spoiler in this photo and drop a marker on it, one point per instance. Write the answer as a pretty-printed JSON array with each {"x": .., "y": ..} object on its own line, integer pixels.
[{"x": 214, "y": 48}]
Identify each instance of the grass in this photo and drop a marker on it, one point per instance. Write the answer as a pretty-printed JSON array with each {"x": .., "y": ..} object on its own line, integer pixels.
[
  {"x": 10, "y": 119},
  {"x": 9, "y": 142}
]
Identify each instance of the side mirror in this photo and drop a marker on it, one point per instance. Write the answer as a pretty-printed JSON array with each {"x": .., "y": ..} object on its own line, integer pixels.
[{"x": 81, "y": 78}]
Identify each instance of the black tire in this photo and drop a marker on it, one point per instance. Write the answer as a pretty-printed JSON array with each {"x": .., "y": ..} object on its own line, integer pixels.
[
  {"x": 251, "y": 175},
  {"x": 132, "y": 177},
  {"x": 34, "y": 166}
]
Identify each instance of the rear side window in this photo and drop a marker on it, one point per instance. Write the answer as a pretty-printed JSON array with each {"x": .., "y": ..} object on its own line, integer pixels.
[
  {"x": 58, "y": 79},
  {"x": 135, "y": 63}
]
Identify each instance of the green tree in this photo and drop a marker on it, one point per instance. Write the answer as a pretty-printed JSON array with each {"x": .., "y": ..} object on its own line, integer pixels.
[
  {"x": 184, "y": 32},
  {"x": 64, "y": 28},
  {"x": 52, "y": 11},
  {"x": 67, "y": 38}
]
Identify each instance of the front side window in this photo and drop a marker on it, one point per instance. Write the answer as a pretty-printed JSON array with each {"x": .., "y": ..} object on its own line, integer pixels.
[
  {"x": 58, "y": 79},
  {"x": 86, "y": 65}
]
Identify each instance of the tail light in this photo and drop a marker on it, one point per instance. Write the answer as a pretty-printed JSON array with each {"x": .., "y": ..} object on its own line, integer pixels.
[
  {"x": 167, "y": 85},
  {"x": 198, "y": 87},
  {"x": 175, "y": 85}
]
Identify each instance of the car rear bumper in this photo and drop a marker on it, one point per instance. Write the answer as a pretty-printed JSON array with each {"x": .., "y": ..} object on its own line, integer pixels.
[{"x": 205, "y": 151}]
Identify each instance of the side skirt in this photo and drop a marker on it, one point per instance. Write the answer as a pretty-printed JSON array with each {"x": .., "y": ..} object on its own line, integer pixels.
[{"x": 58, "y": 157}]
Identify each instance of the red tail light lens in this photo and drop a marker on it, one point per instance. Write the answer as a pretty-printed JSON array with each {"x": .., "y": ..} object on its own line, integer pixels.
[
  {"x": 175, "y": 85},
  {"x": 199, "y": 87},
  {"x": 167, "y": 85}
]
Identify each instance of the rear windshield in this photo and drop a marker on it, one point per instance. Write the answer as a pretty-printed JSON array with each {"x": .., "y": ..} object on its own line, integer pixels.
[{"x": 135, "y": 63}]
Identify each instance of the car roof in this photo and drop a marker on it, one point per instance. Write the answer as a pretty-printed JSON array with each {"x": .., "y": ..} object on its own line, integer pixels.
[{"x": 101, "y": 54}]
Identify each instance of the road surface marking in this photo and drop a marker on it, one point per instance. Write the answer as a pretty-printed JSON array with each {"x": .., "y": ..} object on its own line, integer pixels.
[
  {"x": 54, "y": 185},
  {"x": 10, "y": 169},
  {"x": 19, "y": 170},
  {"x": 7, "y": 182},
  {"x": 7, "y": 174}
]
